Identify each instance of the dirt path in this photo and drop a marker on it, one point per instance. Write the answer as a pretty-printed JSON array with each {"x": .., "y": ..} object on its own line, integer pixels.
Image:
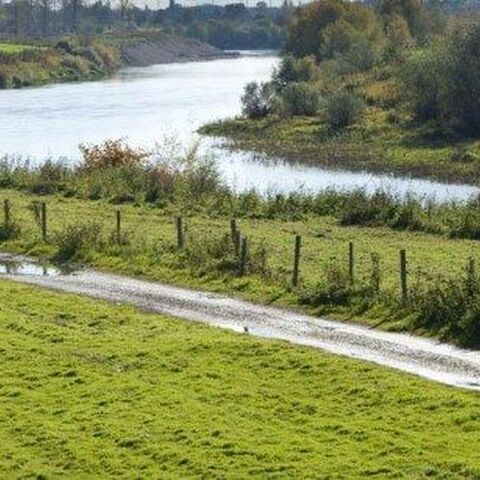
[{"x": 435, "y": 361}]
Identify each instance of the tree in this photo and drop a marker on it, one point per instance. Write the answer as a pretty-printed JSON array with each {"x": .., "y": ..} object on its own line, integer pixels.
[
  {"x": 331, "y": 28},
  {"x": 45, "y": 6},
  {"x": 412, "y": 11},
  {"x": 258, "y": 100},
  {"x": 307, "y": 25}
]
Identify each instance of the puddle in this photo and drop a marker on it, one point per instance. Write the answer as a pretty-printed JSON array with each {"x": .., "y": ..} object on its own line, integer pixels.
[{"x": 12, "y": 267}]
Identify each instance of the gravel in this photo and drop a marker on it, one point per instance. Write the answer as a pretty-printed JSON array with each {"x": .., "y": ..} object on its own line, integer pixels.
[{"x": 423, "y": 357}]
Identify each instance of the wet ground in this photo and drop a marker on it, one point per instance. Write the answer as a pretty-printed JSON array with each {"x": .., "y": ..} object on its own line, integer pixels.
[{"x": 426, "y": 358}]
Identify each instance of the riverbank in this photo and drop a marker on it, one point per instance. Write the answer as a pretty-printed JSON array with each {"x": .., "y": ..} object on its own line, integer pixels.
[
  {"x": 375, "y": 144},
  {"x": 351, "y": 243},
  {"x": 160, "y": 49},
  {"x": 83, "y": 59},
  {"x": 24, "y": 65},
  {"x": 174, "y": 399}
]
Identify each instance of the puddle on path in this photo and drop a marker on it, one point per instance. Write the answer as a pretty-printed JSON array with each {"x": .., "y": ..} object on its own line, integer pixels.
[{"x": 26, "y": 268}]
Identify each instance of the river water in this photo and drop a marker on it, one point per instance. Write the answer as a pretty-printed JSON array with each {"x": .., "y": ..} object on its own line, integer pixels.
[{"x": 149, "y": 105}]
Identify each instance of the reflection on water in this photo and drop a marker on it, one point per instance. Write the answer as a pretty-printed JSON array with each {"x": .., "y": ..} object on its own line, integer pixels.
[
  {"x": 29, "y": 268},
  {"x": 148, "y": 104},
  {"x": 272, "y": 175}
]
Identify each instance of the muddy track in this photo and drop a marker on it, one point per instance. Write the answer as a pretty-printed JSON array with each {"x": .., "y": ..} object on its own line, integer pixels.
[{"x": 426, "y": 358}]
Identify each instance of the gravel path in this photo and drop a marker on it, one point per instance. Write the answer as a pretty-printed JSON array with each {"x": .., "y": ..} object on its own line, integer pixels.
[{"x": 426, "y": 358}]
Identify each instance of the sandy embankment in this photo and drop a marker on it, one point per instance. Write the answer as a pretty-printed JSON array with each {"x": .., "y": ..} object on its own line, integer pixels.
[{"x": 170, "y": 49}]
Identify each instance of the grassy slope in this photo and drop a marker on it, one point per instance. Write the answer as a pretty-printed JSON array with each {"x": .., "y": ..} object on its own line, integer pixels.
[
  {"x": 47, "y": 64},
  {"x": 96, "y": 391},
  {"x": 323, "y": 240}
]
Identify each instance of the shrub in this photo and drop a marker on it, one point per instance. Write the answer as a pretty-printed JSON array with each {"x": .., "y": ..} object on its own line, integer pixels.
[
  {"x": 51, "y": 177},
  {"x": 75, "y": 241},
  {"x": 112, "y": 153},
  {"x": 258, "y": 100},
  {"x": 451, "y": 306},
  {"x": 344, "y": 108},
  {"x": 293, "y": 70},
  {"x": 426, "y": 91},
  {"x": 9, "y": 231},
  {"x": 334, "y": 289},
  {"x": 300, "y": 99},
  {"x": 342, "y": 40}
]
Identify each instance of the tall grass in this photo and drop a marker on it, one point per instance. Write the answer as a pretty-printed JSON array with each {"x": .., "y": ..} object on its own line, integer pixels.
[{"x": 119, "y": 173}]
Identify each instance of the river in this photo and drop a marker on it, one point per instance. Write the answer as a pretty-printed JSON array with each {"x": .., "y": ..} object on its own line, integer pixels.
[{"x": 148, "y": 105}]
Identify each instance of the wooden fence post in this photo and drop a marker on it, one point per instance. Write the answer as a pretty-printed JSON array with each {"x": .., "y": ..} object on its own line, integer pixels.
[
  {"x": 6, "y": 212},
  {"x": 236, "y": 236},
  {"x": 180, "y": 233},
  {"x": 238, "y": 242},
  {"x": 351, "y": 262},
  {"x": 242, "y": 267},
  {"x": 43, "y": 220},
  {"x": 376, "y": 274},
  {"x": 403, "y": 276},
  {"x": 296, "y": 261},
  {"x": 119, "y": 226},
  {"x": 233, "y": 230}
]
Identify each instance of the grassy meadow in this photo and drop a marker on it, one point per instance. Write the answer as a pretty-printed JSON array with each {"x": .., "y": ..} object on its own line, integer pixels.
[
  {"x": 91, "y": 390},
  {"x": 85, "y": 231}
]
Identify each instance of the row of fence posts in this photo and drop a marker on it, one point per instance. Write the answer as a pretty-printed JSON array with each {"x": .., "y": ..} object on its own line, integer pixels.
[
  {"x": 241, "y": 245},
  {"x": 241, "y": 250}
]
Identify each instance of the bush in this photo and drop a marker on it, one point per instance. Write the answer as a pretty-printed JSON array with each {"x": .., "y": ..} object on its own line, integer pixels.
[
  {"x": 344, "y": 108},
  {"x": 294, "y": 70},
  {"x": 425, "y": 74},
  {"x": 341, "y": 40},
  {"x": 112, "y": 154},
  {"x": 258, "y": 100},
  {"x": 75, "y": 241},
  {"x": 300, "y": 99},
  {"x": 451, "y": 307},
  {"x": 9, "y": 231}
]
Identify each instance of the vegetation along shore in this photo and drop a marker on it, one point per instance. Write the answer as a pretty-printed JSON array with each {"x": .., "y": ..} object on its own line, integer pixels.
[
  {"x": 92, "y": 58},
  {"x": 351, "y": 243},
  {"x": 391, "y": 88},
  {"x": 43, "y": 42}
]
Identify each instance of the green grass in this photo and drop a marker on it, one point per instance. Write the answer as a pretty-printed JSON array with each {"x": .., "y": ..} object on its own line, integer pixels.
[
  {"x": 39, "y": 64},
  {"x": 375, "y": 144},
  {"x": 12, "y": 48},
  {"x": 151, "y": 234},
  {"x": 91, "y": 390}
]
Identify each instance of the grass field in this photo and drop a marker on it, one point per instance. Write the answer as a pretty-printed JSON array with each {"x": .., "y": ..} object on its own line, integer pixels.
[
  {"x": 91, "y": 390},
  {"x": 149, "y": 252}
]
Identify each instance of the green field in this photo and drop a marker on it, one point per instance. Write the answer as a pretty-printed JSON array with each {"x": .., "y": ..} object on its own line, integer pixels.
[
  {"x": 149, "y": 252},
  {"x": 91, "y": 390}
]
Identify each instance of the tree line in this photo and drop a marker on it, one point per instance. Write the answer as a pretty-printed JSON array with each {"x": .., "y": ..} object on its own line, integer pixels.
[{"x": 230, "y": 26}]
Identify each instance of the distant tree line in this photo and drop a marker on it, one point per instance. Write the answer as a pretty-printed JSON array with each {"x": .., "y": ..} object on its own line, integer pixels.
[{"x": 229, "y": 26}]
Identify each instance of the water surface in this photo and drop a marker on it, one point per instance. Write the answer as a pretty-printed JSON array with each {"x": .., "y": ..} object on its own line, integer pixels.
[{"x": 147, "y": 105}]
